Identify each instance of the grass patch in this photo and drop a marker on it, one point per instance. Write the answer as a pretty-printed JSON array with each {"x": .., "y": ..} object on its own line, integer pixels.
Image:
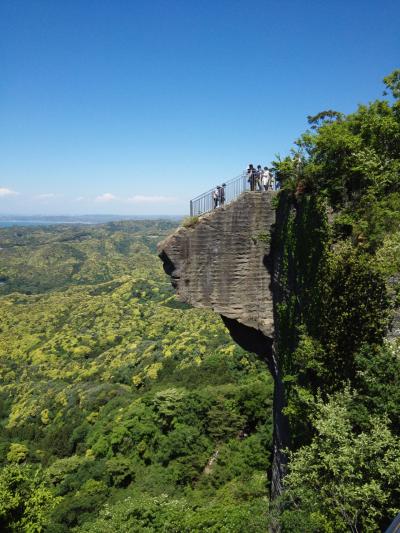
[{"x": 190, "y": 222}]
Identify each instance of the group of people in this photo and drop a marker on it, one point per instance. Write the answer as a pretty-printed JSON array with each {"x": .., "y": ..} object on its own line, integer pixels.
[{"x": 260, "y": 179}]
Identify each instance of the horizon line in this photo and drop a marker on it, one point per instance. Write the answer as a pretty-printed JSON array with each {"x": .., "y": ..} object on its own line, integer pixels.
[{"x": 17, "y": 215}]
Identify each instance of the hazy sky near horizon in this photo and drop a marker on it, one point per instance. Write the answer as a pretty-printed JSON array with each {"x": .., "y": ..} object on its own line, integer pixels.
[{"x": 134, "y": 107}]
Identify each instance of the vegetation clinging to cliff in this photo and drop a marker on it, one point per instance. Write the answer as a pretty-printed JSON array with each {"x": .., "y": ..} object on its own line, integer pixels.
[{"x": 338, "y": 234}]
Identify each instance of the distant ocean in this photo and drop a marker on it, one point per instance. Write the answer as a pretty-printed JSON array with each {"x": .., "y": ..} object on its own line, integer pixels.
[{"x": 9, "y": 221}]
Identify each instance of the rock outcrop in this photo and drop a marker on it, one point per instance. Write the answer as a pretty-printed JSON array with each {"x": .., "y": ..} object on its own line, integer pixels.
[{"x": 223, "y": 261}]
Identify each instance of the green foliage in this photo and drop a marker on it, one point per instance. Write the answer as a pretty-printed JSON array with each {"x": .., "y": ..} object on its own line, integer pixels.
[
  {"x": 301, "y": 238},
  {"x": 25, "y": 501},
  {"x": 263, "y": 237},
  {"x": 56, "y": 257},
  {"x": 165, "y": 513},
  {"x": 378, "y": 384},
  {"x": 324, "y": 117},
  {"x": 336, "y": 287},
  {"x": 349, "y": 158},
  {"x": 17, "y": 453},
  {"x": 121, "y": 394},
  {"x": 343, "y": 480},
  {"x": 392, "y": 82},
  {"x": 355, "y": 311}
]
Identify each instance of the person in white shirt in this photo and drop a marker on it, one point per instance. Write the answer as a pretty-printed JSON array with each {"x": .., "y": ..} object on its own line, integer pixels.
[
  {"x": 266, "y": 179},
  {"x": 259, "y": 178},
  {"x": 215, "y": 196}
]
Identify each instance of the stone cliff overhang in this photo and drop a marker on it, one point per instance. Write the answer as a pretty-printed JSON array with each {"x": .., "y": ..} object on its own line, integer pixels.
[{"x": 223, "y": 261}]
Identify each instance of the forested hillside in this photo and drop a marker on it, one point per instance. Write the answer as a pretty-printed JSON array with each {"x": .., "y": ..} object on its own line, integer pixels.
[{"x": 115, "y": 399}]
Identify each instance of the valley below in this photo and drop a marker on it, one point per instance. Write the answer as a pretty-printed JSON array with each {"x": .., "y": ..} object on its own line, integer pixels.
[{"x": 121, "y": 408}]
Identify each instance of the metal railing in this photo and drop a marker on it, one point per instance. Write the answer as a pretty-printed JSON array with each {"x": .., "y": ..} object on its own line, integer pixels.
[{"x": 233, "y": 188}]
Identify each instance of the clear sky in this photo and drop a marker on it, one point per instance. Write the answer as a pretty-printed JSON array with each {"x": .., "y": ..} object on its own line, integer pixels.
[{"x": 133, "y": 107}]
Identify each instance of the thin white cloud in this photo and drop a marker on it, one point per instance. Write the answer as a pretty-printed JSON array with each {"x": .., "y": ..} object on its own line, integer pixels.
[
  {"x": 135, "y": 199},
  {"x": 7, "y": 192},
  {"x": 141, "y": 199},
  {"x": 106, "y": 197},
  {"x": 79, "y": 199},
  {"x": 45, "y": 196}
]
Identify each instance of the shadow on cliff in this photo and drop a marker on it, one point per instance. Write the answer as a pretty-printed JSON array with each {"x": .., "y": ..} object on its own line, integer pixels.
[
  {"x": 250, "y": 339},
  {"x": 169, "y": 268}
]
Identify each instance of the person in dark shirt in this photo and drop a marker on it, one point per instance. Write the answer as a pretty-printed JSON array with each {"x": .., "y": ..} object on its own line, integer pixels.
[
  {"x": 252, "y": 177},
  {"x": 222, "y": 194}
]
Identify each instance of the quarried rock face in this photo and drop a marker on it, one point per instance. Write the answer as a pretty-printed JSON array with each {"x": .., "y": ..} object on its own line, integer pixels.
[{"x": 223, "y": 261}]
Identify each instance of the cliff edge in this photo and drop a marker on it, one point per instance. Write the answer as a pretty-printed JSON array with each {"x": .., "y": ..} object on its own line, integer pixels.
[{"x": 223, "y": 262}]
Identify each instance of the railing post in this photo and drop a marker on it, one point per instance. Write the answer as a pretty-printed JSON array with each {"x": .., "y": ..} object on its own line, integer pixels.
[{"x": 191, "y": 208}]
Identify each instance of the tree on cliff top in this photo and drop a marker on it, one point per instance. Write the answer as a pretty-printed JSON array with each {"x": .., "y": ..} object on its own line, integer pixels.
[{"x": 350, "y": 158}]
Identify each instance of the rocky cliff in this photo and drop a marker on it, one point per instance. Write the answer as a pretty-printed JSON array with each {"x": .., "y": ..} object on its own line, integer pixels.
[
  {"x": 287, "y": 292},
  {"x": 224, "y": 263}
]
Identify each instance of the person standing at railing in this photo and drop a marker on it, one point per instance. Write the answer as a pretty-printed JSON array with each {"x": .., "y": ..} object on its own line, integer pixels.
[
  {"x": 215, "y": 196},
  {"x": 252, "y": 177},
  {"x": 222, "y": 194},
  {"x": 259, "y": 178},
  {"x": 266, "y": 179}
]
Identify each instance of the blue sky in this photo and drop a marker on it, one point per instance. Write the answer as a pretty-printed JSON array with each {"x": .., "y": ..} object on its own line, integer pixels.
[{"x": 134, "y": 107}]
